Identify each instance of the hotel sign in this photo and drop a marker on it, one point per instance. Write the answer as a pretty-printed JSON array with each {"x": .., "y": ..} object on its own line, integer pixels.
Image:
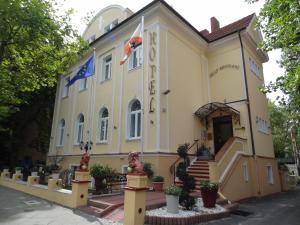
[
  {"x": 152, "y": 69},
  {"x": 226, "y": 66}
]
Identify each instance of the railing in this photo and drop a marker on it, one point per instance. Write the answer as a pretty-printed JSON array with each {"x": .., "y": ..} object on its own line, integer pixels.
[{"x": 172, "y": 167}]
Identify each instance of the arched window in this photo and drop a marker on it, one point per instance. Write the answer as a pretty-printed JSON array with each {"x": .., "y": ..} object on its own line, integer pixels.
[
  {"x": 79, "y": 129},
  {"x": 135, "y": 119},
  {"x": 103, "y": 125},
  {"x": 61, "y": 129}
]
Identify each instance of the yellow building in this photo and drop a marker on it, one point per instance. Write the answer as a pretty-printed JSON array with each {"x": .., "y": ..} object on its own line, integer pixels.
[{"x": 184, "y": 85}]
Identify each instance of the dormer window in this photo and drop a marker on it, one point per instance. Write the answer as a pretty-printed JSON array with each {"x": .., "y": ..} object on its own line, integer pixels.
[{"x": 110, "y": 26}]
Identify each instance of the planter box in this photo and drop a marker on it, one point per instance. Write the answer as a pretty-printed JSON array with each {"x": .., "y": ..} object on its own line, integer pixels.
[
  {"x": 172, "y": 203},
  {"x": 158, "y": 186},
  {"x": 209, "y": 198}
]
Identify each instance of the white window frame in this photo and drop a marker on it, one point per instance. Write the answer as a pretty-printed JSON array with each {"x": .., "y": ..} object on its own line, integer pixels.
[
  {"x": 103, "y": 127},
  {"x": 110, "y": 26},
  {"x": 79, "y": 130},
  {"x": 65, "y": 87},
  {"x": 255, "y": 69},
  {"x": 61, "y": 130},
  {"x": 270, "y": 175},
  {"x": 83, "y": 84},
  {"x": 262, "y": 125},
  {"x": 135, "y": 55},
  {"x": 136, "y": 114},
  {"x": 245, "y": 171},
  {"x": 104, "y": 65}
]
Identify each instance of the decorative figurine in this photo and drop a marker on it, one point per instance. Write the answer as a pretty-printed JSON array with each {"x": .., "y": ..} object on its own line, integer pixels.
[
  {"x": 84, "y": 162},
  {"x": 134, "y": 165}
]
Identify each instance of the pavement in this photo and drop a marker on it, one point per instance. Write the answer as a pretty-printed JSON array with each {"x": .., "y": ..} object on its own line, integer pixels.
[
  {"x": 278, "y": 209},
  {"x": 18, "y": 208}
]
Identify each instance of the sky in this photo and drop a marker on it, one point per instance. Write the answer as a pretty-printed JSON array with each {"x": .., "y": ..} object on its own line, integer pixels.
[{"x": 197, "y": 12}]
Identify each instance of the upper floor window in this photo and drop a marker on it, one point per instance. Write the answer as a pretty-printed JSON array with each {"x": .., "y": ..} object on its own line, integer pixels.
[
  {"x": 79, "y": 129},
  {"x": 262, "y": 125},
  {"x": 136, "y": 58},
  {"x": 111, "y": 26},
  {"x": 255, "y": 68},
  {"x": 61, "y": 129},
  {"x": 83, "y": 84},
  {"x": 106, "y": 68},
  {"x": 103, "y": 125},
  {"x": 135, "y": 113},
  {"x": 65, "y": 87}
]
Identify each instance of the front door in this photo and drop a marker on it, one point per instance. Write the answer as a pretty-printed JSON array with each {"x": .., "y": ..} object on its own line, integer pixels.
[{"x": 222, "y": 131}]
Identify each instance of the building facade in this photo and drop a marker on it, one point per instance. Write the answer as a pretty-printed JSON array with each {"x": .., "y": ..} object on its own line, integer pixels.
[{"x": 181, "y": 85}]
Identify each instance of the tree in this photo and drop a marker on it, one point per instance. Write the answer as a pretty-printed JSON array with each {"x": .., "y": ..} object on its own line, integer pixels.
[
  {"x": 36, "y": 46},
  {"x": 279, "y": 21}
]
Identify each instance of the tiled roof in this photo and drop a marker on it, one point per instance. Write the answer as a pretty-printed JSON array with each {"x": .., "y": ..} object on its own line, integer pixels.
[{"x": 228, "y": 29}]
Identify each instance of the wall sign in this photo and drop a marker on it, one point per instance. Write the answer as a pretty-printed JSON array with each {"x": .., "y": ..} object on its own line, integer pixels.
[
  {"x": 226, "y": 66},
  {"x": 152, "y": 70}
]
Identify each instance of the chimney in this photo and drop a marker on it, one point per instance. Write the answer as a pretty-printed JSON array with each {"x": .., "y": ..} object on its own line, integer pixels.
[
  {"x": 204, "y": 32},
  {"x": 214, "y": 24}
]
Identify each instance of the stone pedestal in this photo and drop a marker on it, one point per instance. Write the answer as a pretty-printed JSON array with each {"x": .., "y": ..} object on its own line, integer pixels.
[
  {"x": 31, "y": 180},
  {"x": 5, "y": 175},
  {"x": 135, "y": 200},
  {"x": 54, "y": 184},
  {"x": 80, "y": 188},
  {"x": 16, "y": 177}
]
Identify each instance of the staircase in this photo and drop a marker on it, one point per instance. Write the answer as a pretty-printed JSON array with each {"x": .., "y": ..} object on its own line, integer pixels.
[{"x": 199, "y": 169}]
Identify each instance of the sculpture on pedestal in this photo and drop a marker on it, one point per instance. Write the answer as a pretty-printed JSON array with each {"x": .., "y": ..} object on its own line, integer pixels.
[
  {"x": 135, "y": 166},
  {"x": 84, "y": 162}
]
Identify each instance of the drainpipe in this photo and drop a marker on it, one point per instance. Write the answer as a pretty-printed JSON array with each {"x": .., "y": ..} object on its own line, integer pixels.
[
  {"x": 249, "y": 115},
  {"x": 247, "y": 94}
]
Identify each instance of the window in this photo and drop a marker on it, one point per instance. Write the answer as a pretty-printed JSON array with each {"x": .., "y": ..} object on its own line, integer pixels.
[
  {"x": 79, "y": 129},
  {"x": 61, "y": 129},
  {"x": 83, "y": 84},
  {"x": 66, "y": 88},
  {"x": 254, "y": 68},
  {"x": 110, "y": 26},
  {"x": 135, "y": 120},
  {"x": 136, "y": 58},
  {"x": 106, "y": 68},
  {"x": 103, "y": 125},
  {"x": 270, "y": 174},
  {"x": 245, "y": 171},
  {"x": 262, "y": 125}
]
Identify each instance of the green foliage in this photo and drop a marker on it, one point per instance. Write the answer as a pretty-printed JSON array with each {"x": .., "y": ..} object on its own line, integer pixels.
[
  {"x": 148, "y": 169},
  {"x": 103, "y": 172},
  {"x": 188, "y": 182},
  {"x": 36, "y": 46},
  {"x": 173, "y": 190},
  {"x": 158, "y": 179},
  {"x": 206, "y": 185},
  {"x": 279, "y": 21},
  {"x": 19, "y": 168}
]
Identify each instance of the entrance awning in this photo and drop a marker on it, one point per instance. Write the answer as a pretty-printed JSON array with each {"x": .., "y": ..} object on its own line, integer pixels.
[{"x": 206, "y": 110}]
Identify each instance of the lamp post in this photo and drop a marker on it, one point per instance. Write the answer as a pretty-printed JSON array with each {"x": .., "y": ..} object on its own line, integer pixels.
[{"x": 293, "y": 132}]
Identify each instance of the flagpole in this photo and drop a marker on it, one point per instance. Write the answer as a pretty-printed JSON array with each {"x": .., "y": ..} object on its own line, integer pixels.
[
  {"x": 143, "y": 107},
  {"x": 92, "y": 103}
]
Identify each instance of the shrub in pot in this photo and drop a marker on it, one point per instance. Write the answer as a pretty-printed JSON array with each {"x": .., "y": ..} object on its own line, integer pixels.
[
  {"x": 158, "y": 183},
  {"x": 172, "y": 197},
  {"x": 102, "y": 174},
  {"x": 18, "y": 169},
  {"x": 209, "y": 193}
]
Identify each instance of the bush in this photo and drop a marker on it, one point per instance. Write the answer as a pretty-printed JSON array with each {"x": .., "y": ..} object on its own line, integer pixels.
[
  {"x": 18, "y": 168},
  {"x": 173, "y": 190},
  {"x": 158, "y": 179},
  {"x": 209, "y": 186},
  {"x": 182, "y": 151},
  {"x": 102, "y": 172},
  {"x": 148, "y": 170}
]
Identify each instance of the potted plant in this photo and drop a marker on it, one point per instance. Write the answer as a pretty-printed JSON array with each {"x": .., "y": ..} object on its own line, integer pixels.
[
  {"x": 102, "y": 174},
  {"x": 34, "y": 171},
  {"x": 172, "y": 197},
  {"x": 54, "y": 168},
  {"x": 18, "y": 169},
  {"x": 209, "y": 193},
  {"x": 158, "y": 183},
  {"x": 203, "y": 152}
]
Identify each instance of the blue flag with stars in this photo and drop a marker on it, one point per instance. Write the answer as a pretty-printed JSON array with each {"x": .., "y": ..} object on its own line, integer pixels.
[{"x": 85, "y": 71}]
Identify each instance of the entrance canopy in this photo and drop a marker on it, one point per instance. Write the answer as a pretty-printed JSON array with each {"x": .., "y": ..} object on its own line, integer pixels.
[{"x": 206, "y": 110}]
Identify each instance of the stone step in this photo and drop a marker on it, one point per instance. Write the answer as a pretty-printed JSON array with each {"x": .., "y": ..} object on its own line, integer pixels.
[
  {"x": 92, "y": 210},
  {"x": 98, "y": 203},
  {"x": 199, "y": 177},
  {"x": 200, "y": 163},
  {"x": 198, "y": 167},
  {"x": 198, "y": 171}
]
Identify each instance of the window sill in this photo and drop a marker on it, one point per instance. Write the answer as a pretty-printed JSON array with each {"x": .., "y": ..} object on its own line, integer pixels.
[
  {"x": 101, "y": 142},
  {"x": 104, "y": 81},
  {"x": 263, "y": 132},
  {"x": 65, "y": 97},
  {"x": 59, "y": 146},
  {"x": 82, "y": 90},
  {"x": 134, "y": 139},
  {"x": 135, "y": 68}
]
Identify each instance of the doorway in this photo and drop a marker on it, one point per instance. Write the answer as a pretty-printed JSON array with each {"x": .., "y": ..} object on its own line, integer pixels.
[{"x": 222, "y": 131}]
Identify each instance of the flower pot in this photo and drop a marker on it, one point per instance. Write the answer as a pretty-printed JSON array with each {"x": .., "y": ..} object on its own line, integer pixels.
[
  {"x": 99, "y": 185},
  {"x": 172, "y": 203},
  {"x": 158, "y": 186},
  {"x": 34, "y": 174},
  {"x": 209, "y": 198}
]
